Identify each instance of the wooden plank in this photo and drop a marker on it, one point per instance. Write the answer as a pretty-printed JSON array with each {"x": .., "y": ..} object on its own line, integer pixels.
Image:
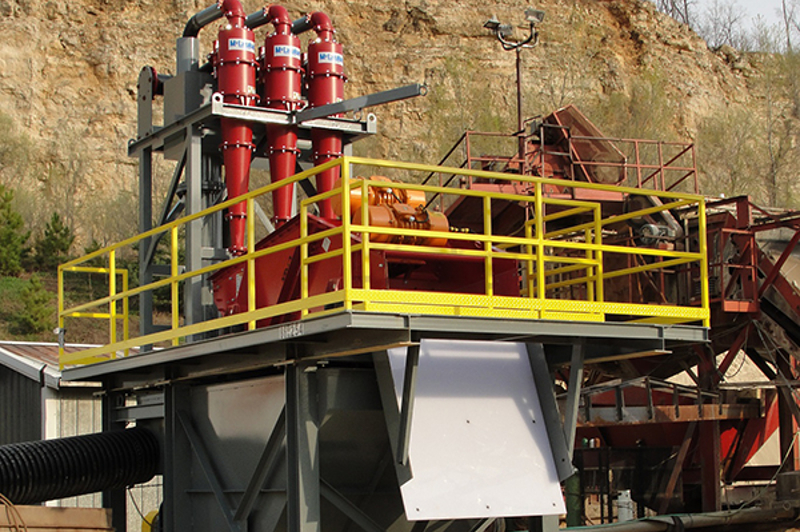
[{"x": 52, "y": 519}]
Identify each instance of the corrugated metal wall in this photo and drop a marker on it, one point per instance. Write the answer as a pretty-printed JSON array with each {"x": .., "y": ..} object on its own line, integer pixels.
[
  {"x": 74, "y": 412},
  {"x": 20, "y": 408}
]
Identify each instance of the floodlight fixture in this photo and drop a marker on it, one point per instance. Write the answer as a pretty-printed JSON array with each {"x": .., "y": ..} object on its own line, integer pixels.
[
  {"x": 492, "y": 24},
  {"x": 534, "y": 16}
]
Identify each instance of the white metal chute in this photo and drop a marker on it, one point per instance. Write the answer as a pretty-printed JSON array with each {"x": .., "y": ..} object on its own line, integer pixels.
[{"x": 478, "y": 443}]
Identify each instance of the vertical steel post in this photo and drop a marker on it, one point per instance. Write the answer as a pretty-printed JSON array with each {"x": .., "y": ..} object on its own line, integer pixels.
[
  {"x": 177, "y": 511},
  {"x": 113, "y": 499},
  {"x": 145, "y": 224},
  {"x": 193, "y": 306},
  {"x": 302, "y": 450},
  {"x": 144, "y": 125}
]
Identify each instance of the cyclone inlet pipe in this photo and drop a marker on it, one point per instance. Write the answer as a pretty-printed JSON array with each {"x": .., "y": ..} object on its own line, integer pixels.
[
  {"x": 282, "y": 78},
  {"x": 234, "y": 61},
  {"x": 325, "y": 79},
  {"x": 38, "y": 471}
]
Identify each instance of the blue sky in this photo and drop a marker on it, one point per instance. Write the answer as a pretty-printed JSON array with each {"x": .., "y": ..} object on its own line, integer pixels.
[{"x": 769, "y": 9}]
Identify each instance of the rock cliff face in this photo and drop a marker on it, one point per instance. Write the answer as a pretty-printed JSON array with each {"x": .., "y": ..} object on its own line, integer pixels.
[{"x": 68, "y": 69}]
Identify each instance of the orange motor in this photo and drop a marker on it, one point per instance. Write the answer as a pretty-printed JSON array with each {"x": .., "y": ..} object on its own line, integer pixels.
[
  {"x": 398, "y": 208},
  {"x": 378, "y": 196},
  {"x": 402, "y": 215}
]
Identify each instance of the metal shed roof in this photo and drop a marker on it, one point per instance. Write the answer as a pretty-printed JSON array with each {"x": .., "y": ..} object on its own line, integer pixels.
[{"x": 39, "y": 361}]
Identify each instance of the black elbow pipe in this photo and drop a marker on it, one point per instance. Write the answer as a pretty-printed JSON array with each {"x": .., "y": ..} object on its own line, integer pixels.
[
  {"x": 302, "y": 25},
  {"x": 38, "y": 471},
  {"x": 201, "y": 20},
  {"x": 256, "y": 20}
]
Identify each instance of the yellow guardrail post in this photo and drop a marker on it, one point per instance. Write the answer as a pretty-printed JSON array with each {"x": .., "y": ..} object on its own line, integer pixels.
[
  {"x": 251, "y": 263},
  {"x": 173, "y": 272},
  {"x": 702, "y": 241},
  {"x": 366, "y": 281},
  {"x": 125, "y": 310},
  {"x": 598, "y": 255},
  {"x": 487, "y": 245},
  {"x": 529, "y": 261},
  {"x": 574, "y": 245},
  {"x": 538, "y": 216},
  {"x": 591, "y": 271},
  {"x": 347, "y": 257},
  {"x": 112, "y": 291},
  {"x": 60, "y": 309},
  {"x": 303, "y": 256}
]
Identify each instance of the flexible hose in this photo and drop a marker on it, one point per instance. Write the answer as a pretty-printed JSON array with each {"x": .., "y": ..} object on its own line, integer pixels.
[{"x": 37, "y": 471}]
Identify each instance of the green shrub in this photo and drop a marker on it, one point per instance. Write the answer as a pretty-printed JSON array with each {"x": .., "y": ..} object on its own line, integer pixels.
[
  {"x": 12, "y": 235},
  {"x": 52, "y": 248},
  {"x": 37, "y": 314}
]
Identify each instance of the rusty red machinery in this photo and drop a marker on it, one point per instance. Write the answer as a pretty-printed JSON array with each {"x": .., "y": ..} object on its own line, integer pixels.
[
  {"x": 234, "y": 61},
  {"x": 325, "y": 79},
  {"x": 281, "y": 89},
  {"x": 712, "y": 432}
]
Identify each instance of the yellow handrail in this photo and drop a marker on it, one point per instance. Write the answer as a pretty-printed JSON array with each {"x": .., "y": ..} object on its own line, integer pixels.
[{"x": 565, "y": 270}]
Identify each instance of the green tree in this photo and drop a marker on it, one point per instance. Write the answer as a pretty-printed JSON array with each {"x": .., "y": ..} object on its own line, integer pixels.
[
  {"x": 53, "y": 247},
  {"x": 37, "y": 310},
  {"x": 12, "y": 235}
]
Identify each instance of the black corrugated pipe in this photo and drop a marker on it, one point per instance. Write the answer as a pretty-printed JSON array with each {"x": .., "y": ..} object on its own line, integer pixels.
[
  {"x": 38, "y": 471},
  {"x": 202, "y": 19}
]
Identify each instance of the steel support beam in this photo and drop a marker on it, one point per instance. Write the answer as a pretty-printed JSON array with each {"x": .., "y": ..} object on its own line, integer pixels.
[
  {"x": 165, "y": 209},
  {"x": 266, "y": 465},
  {"x": 145, "y": 224},
  {"x": 362, "y": 102},
  {"x": 302, "y": 449},
  {"x": 677, "y": 469},
  {"x": 481, "y": 526},
  {"x": 787, "y": 408},
  {"x": 391, "y": 411},
  {"x": 407, "y": 406},
  {"x": 177, "y": 504},
  {"x": 349, "y": 509},
  {"x": 207, "y": 467},
  {"x": 193, "y": 306},
  {"x": 574, "y": 395},
  {"x": 114, "y": 499},
  {"x": 561, "y": 447}
]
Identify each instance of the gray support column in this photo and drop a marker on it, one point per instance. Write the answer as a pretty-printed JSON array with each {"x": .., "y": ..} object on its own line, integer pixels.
[
  {"x": 573, "y": 395},
  {"x": 562, "y": 454},
  {"x": 302, "y": 449},
  {"x": 177, "y": 512},
  {"x": 193, "y": 307},
  {"x": 114, "y": 499},
  {"x": 145, "y": 224}
]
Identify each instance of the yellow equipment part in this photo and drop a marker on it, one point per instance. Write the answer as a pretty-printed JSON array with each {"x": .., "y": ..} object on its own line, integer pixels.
[
  {"x": 378, "y": 196},
  {"x": 149, "y": 519}
]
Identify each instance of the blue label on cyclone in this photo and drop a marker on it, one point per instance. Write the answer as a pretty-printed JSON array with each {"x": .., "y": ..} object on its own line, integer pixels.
[
  {"x": 245, "y": 45},
  {"x": 282, "y": 50},
  {"x": 331, "y": 57}
]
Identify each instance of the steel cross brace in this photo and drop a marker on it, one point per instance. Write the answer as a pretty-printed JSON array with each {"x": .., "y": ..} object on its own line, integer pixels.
[
  {"x": 362, "y": 102},
  {"x": 556, "y": 433},
  {"x": 348, "y": 508},
  {"x": 208, "y": 470},
  {"x": 266, "y": 464}
]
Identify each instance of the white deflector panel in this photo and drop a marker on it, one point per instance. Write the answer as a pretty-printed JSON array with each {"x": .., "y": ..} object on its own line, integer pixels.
[{"x": 479, "y": 445}]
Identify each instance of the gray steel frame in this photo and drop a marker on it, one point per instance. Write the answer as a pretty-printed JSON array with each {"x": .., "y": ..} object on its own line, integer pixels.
[
  {"x": 300, "y": 351},
  {"x": 353, "y": 332}
]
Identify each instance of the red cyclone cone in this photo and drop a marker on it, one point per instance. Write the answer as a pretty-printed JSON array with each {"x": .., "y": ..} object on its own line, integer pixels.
[
  {"x": 234, "y": 63},
  {"x": 282, "y": 79},
  {"x": 325, "y": 85}
]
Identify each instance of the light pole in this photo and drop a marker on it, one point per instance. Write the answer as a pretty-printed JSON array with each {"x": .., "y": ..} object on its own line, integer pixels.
[{"x": 503, "y": 32}]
